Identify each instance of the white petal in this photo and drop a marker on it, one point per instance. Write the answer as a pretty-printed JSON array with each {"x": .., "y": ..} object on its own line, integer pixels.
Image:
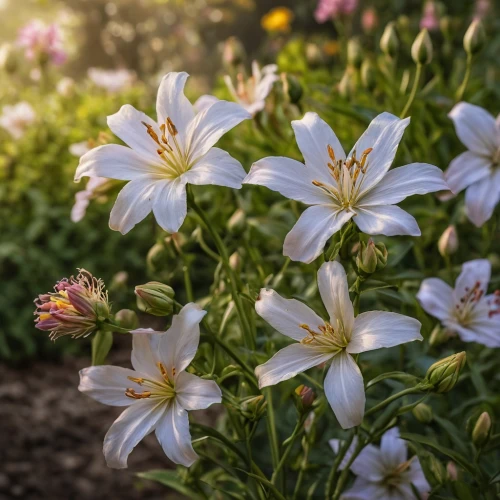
[
  {"x": 289, "y": 178},
  {"x": 334, "y": 291},
  {"x": 136, "y": 422},
  {"x": 269, "y": 68},
  {"x": 254, "y": 107},
  {"x": 436, "y": 298},
  {"x": 144, "y": 353},
  {"x": 178, "y": 347},
  {"x": 476, "y": 128},
  {"x": 203, "y": 102},
  {"x": 133, "y": 204},
  {"x": 170, "y": 205},
  {"x": 485, "y": 331},
  {"x": 313, "y": 136},
  {"x": 290, "y": 361},
  {"x": 345, "y": 391},
  {"x": 376, "y": 329},
  {"x": 417, "y": 478},
  {"x": 78, "y": 210},
  {"x": 115, "y": 162},
  {"x": 210, "y": 125},
  {"x": 172, "y": 103},
  {"x": 465, "y": 334},
  {"x": 217, "y": 167},
  {"x": 286, "y": 315},
  {"x": 366, "y": 490},
  {"x": 384, "y": 151},
  {"x": 466, "y": 169},
  {"x": 373, "y": 132},
  {"x": 368, "y": 464},
  {"x": 389, "y": 220},
  {"x": 397, "y": 184},
  {"x": 107, "y": 384},
  {"x": 128, "y": 125},
  {"x": 473, "y": 272},
  {"x": 482, "y": 197},
  {"x": 173, "y": 434},
  {"x": 265, "y": 86},
  {"x": 307, "y": 238},
  {"x": 393, "y": 449},
  {"x": 195, "y": 393}
]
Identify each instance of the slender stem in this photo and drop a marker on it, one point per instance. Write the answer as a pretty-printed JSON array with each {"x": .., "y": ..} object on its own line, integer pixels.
[
  {"x": 303, "y": 467},
  {"x": 389, "y": 400},
  {"x": 271, "y": 427},
  {"x": 345, "y": 472},
  {"x": 465, "y": 81},
  {"x": 413, "y": 91},
  {"x": 338, "y": 459},
  {"x": 187, "y": 283}
]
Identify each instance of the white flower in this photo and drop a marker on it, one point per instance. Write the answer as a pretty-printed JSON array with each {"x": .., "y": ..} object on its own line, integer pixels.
[
  {"x": 319, "y": 341},
  {"x": 158, "y": 391},
  {"x": 476, "y": 169},
  {"x": 17, "y": 118},
  {"x": 251, "y": 95},
  {"x": 82, "y": 198},
  {"x": 384, "y": 472},
  {"x": 359, "y": 187},
  {"x": 164, "y": 157},
  {"x": 66, "y": 86},
  {"x": 465, "y": 310},
  {"x": 112, "y": 80}
]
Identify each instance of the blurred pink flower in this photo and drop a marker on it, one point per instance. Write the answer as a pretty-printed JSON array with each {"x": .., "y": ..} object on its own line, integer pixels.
[
  {"x": 42, "y": 42},
  {"x": 369, "y": 19},
  {"x": 481, "y": 9},
  {"x": 329, "y": 9},
  {"x": 430, "y": 19}
]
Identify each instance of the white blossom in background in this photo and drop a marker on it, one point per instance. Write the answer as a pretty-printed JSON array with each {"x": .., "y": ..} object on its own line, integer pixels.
[
  {"x": 467, "y": 310},
  {"x": 66, "y": 86},
  {"x": 163, "y": 157},
  {"x": 319, "y": 341},
  {"x": 341, "y": 188},
  {"x": 251, "y": 93},
  {"x": 158, "y": 392},
  {"x": 17, "y": 118},
  {"x": 112, "y": 80},
  {"x": 383, "y": 472},
  {"x": 477, "y": 170}
]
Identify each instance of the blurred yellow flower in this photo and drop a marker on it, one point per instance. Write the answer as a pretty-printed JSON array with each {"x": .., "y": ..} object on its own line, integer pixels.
[
  {"x": 277, "y": 20},
  {"x": 331, "y": 48}
]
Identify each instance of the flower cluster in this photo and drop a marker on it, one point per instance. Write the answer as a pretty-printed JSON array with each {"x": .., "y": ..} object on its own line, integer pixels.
[{"x": 42, "y": 42}]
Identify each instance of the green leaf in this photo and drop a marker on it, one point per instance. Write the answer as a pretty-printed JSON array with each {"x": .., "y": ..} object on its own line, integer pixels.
[
  {"x": 169, "y": 478},
  {"x": 101, "y": 345},
  {"x": 266, "y": 483},
  {"x": 401, "y": 376}
]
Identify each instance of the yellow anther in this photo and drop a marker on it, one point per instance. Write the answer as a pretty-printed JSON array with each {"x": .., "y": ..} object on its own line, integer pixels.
[
  {"x": 137, "y": 380},
  {"x": 45, "y": 316},
  {"x": 331, "y": 153},
  {"x": 130, "y": 393},
  {"x": 308, "y": 329},
  {"x": 365, "y": 154},
  {"x": 318, "y": 184},
  {"x": 172, "y": 130}
]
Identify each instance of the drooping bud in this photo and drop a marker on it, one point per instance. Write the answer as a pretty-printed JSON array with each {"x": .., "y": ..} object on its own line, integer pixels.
[
  {"x": 423, "y": 413},
  {"x": 443, "y": 375},
  {"x": 481, "y": 431},
  {"x": 389, "y": 43},
  {"x": 421, "y": 50},
  {"x": 126, "y": 318},
  {"x": 354, "y": 53},
  {"x": 155, "y": 298},
  {"x": 233, "y": 52},
  {"x": 368, "y": 75},
  {"x": 304, "y": 398},
  {"x": 77, "y": 307},
  {"x": 475, "y": 37},
  {"x": 448, "y": 242}
]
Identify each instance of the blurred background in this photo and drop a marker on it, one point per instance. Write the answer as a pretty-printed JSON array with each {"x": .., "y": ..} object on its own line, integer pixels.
[{"x": 65, "y": 66}]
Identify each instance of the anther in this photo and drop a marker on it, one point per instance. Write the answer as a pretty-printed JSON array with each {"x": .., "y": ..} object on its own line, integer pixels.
[
  {"x": 172, "y": 130},
  {"x": 137, "y": 380}
]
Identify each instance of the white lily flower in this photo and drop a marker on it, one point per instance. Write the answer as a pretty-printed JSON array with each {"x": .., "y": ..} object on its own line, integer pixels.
[
  {"x": 164, "y": 157},
  {"x": 340, "y": 188},
  {"x": 466, "y": 310},
  {"x": 17, "y": 118},
  {"x": 158, "y": 391},
  {"x": 476, "y": 170},
  {"x": 319, "y": 341},
  {"x": 384, "y": 472}
]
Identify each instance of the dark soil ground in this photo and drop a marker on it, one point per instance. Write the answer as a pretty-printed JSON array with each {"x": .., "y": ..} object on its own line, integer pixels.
[{"x": 51, "y": 438}]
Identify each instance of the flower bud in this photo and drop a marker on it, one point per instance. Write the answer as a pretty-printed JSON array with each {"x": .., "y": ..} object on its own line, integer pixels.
[
  {"x": 451, "y": 471},
  {"x": 366, "y": 260},
  {"x": 443, "y": 375},
  {"x": 233, "y": 52},
  {"x": 347, "y": 85},
  {"x": 235, "y": 261},
  {"x": 253, "y": 407},
  {"x": 304, "y": 398},
  {"x": 126, "y": 318},
  {"x": 421, "y": 50},
  {"x": 475, "y": 37},
  {"x": 369, "y": 20},
  {"x": 389, "y": 43},
  {"x": 382, "y": 254},
  {"x": 423, "y": 413},
  {"x": 368, "y": 75},
  {"x": 77, "y": 307},
  {"x": 439, "y": 336},
  {"x": 292, "y": 87},
  {"x": 354, "y": 53},
  {"x": 445, "y": 25},
  {"x": 155, "y": 298},
  {"x": 481, "y": 431},
  {"x": 236, "y": 223},
  {"x": 448, "y": 242}
]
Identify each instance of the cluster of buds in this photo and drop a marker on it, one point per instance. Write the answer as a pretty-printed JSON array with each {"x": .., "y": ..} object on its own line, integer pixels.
[
  {"x": 76, "y": 307},
  {"x": 443, "y": 375},
  {"x": 155, "y": 298},
  {"x": 371, "y": 257}
]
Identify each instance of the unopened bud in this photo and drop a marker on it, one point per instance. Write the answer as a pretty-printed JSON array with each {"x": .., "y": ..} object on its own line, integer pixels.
[
  {"x": 354, "y": 53},
  {"x": 368, "y": 75},
  {"x": 347, "y": 84},
  {"x": 448, "y": 242},
  {"x": 292, "y": 87},
  {"x": 421, "y": 50},
  {"x": 236, "y": 223},
  {"x": 423, "y": 413},
  {"x": 382, "y": 254},
  {"x": 475, "y": 37},
  {"x": 443, "y": 375},
  {"x": 451, "y": 471},
  {"x": 389, "y": 43},
  {"x": 235, "y": 261},
  {"x": 439, "y": 336},
  {"x": 155, "y": 298},
  {"x": 481, "y": 431},
  {"x": 445, "y": 25},
  {"x": 304, "y": 397},
  {"x": 126, "y": 318},
  {"x": 366, "y": 260},
  {"x": 253, "y": 407},
  {"x": 233, "y": 52}
]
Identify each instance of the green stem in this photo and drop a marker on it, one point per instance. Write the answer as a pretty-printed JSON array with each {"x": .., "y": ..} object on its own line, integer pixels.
[
  {"x": 187, "y": 283},
  {"x": 465, "y": 81},
  {"x": 389, "y": 400},
  {"x": 345, "y": 472},
  {"x": 303, "y": 467},
  {"x": 413, "y": 91},
  {"x": 338, "y": 459},
  {"x": 271, "y": 427}
]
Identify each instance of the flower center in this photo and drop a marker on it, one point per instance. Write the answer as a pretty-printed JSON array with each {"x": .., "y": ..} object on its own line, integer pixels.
[
  {"x": 395, "y": 476},
  {"x": 348, "y": 175},
  {"x": 164, "y": 390},
  {"x": 496, "y": 158},
  {"x": 327, "y": 336}
]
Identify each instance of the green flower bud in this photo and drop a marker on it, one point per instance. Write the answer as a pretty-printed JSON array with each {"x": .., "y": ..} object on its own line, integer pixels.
[
  {"x": 382, "y": 255},
  {"x": 421, "y": 50},
  {"x": 354, "y": 53},
  {"x": 236, "y": 223},
  {"x": 304, "y": 398},
  {"x": 126, "y": 318},
  {"x": 347, "y": 85},
  {"x": 443, "y": 375},
  {"x": 448, "y": 242},
  {"x": 445, "y": 25},
  {"x": 155, "y": 298},
  {"x": 439, "y": 336},
  {"x": 366, "y": 260},
  {"x": 389, "y": 43},
  {"x": 368, "y": 75},
  {"x": 475, "y": 37},
  {"x": 253, "y": 407},
  {"x": 481, "y": 431},
  {"x": 423, "y": 413}
]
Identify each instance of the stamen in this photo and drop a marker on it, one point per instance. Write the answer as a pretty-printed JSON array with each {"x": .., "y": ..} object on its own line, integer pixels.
[
  {"x": 172, "y": 130},
  {"x": 137, "y": 380},
  {"x": 130, "y": 393}
]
